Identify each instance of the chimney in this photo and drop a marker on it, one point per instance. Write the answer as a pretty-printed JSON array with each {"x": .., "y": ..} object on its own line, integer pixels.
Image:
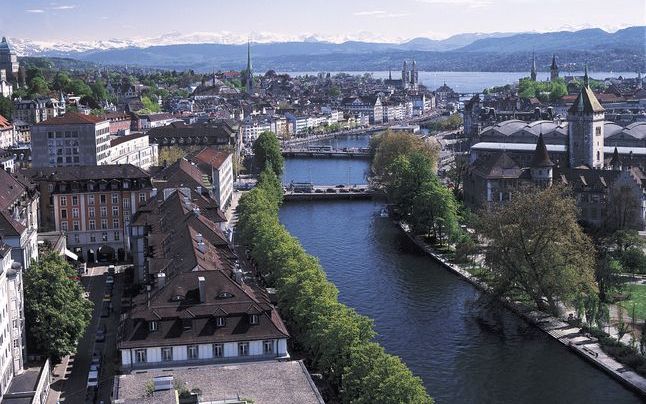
[
  {"x": 201, "y": 247},
  {"x": 199, "y": 190},
  {"x": 196, "y": 210},
  {"x": 201, "y": 283},
  {"x": 161, "y": 280},
  {"x": 199, "y": 238}
]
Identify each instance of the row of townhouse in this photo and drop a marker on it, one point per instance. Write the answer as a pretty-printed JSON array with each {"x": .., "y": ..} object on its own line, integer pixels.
[
  {"x": 290, "y": 124},
  {"x": 379, "y": 110}
]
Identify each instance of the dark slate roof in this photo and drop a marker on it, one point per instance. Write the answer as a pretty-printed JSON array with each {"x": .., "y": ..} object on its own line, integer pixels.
[
  {"x": 73, "y": 118},
  {"x": 585, "y": 179},
  {"x": 90, "y": 172},
  {"x": 541, "y": 158},
  {"x": 586, "y": 102},
  {"x": 497, "y": 165}
]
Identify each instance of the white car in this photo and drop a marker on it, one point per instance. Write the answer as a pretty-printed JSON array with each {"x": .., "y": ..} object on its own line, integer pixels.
[{"x": 93, "y": 378}]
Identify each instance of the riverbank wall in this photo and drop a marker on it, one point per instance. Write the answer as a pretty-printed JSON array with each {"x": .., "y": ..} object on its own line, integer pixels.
[{"x": 585, "y": 346}]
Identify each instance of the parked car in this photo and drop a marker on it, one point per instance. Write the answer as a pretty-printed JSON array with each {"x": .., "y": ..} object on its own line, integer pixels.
[
  {"x": 93, "y": 379},
  {"x": 100, "y": 333}
]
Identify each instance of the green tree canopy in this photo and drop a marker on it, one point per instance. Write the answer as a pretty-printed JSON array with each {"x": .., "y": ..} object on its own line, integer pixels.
[
  {"x": 57, "y": 313},
  {"x": 6, "y": 107},
  {"x": 266, "y": 150},
  {"x": 536, "y": 247},
  {"x": 389, "y": 145}
]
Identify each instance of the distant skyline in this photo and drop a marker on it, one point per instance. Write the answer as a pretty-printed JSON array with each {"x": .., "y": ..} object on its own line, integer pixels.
[{"x": 284, "y": 20}]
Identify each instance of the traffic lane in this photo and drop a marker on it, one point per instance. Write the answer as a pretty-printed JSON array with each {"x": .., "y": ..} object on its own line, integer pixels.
[
  {"x": 76, "y": 385},
  {"x": 111, "y": 360}
]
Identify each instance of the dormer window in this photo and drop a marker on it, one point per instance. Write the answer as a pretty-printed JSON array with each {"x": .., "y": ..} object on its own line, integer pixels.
[
  {"x": 220, "y": 321},
  {"x": 153, "y": 326},
  {"x": 224, "y": 295},
  {"x": 253, "y": 319},
  {"x": 187, "y": 324}
]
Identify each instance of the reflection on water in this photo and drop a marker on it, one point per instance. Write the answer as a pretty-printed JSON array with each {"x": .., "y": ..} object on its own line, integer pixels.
[{"x": 463, "y": 352}]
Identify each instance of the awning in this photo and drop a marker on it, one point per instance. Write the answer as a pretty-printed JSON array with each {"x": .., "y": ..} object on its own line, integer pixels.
[{"x": 71, "y": 255}]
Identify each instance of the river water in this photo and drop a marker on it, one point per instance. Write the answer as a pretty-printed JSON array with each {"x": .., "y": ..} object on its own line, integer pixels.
[{"x": 428, "y": 316}]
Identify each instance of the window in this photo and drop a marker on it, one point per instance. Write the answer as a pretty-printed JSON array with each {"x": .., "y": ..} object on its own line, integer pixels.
[
  {"x": 218, "y": 350},
  {"x": 91, "y": 212},
  {"x": 63, "y": 198},
  {"x": 104, "y": 236},
  {"x": 75, "y": 226},
  {"x": 77, "y": 239},
  {"x": 104, "y": 224},
  {"x": 142, "y": 197},
  {"x": 90, "y": 199},
  {"x": 104, "y": 211},
  {"x": 219, "y": 321},
  {"x": 102, "y": 199},
  {"x": 268, "y": 347},
  {"x": 167, "y": 354},
  {"x": 115, "y": 223},
  {"x": 126, "y": 203},
  {"x": 117, "y": 236},
  {"x": 63, "y": 213},
  {"x": 140, "y": 356},
  {"x": 64, "y": 226},
  {"x": 152, "y": 326},
  {"x": 191, "y": 352},
  {"x": 597, "y": 130},
  {"x": 115, "y": 198},
  {"x": 92, "y": 238},
  {"x": 115, "y": 211},
  {"x": 92, "y": 225},
  {"x": 243, "y": 348},
  {"x": 15, "y": 323},
  {"x": 75, "y": 200},
  {"x": 75, "y": 213},
  {"x": 16, "y": 343},
  {"x": 253, "y": 319}
]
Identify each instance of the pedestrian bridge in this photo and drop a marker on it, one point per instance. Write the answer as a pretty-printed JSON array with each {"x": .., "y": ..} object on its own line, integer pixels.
[{"x": 306, "y": 192}]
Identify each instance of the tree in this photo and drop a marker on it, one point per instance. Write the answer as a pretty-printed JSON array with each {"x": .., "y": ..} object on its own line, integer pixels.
[
  {"x": 267, "y": 153},
  {"x": 537, "y": 248},
  {"x": 373, "y": 376},
  {"x": 38, "y": 86},
  {"x": 6, "y": 107},
  {"x": 389, "y": 145},
  {"x": 169, "y": 155},
  {"x": 150, "y": 105},
  {"x": 99, "y": 91},
  {"x": 607, "y": 276},
  {"x": 57, "y": 313}
]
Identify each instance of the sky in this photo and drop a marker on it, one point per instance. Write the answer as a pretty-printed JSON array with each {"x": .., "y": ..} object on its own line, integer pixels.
[{"x": 275, "y": 20}]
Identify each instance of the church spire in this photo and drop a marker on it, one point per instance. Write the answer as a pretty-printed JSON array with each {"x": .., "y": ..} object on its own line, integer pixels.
[
  {"x": 533, "y": 72},
  {"x": 586, "y": 78},
  {"x": 249, "y": 72}
]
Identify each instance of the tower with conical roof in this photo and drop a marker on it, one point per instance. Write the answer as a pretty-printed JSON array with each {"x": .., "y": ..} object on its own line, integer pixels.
[
  {"x": 554, "y": 69},
  {"x": 586, "y": 119},
  {"x": 414, "y": 76},
  {"x": 541, "y": 165},
  {"x": 533, "y": 71},
  {"x": 249, "y": 71}
]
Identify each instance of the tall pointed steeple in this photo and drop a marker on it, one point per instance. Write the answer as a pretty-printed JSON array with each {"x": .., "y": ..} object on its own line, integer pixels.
[
  {"x": 554, "y": 69},
  {"x": 586, "y": 78},
  {"x": 249, "y": 71},
  {"x": 533, "y": 72}
]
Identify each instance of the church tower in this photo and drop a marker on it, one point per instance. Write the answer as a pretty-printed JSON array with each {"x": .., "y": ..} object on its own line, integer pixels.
[
  {"x": 554, "y": 69},
  {"x": 585, "y": 128},
  {"x": 405, "y": 75},
  {"x": 414, "y": 76},
  {"x": 533, "y": 72},
  {"x": 249, "y": 72}
]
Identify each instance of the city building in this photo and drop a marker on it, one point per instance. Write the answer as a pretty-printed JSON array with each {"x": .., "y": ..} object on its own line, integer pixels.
[
  {"x": 218, "y": 165},
  {"x": 9, "y": 60},
  {"x": 133, "y": 149},
  {"x": 197, "y": 307},
  {"x": 19, "y": 214},
  {"x": 7, "y": 133},
  {"x": 269, "y": 382},
  {"x": 36, "y": 110},
  {"x": 93, "y": 205},
  {"x": 608, "y": 183},
  {"x": 370, "y": 106},
  {"x": 72, "y": 139},
  {"x": 218, "y": 134},
  {"x": 6, "y": 88}
]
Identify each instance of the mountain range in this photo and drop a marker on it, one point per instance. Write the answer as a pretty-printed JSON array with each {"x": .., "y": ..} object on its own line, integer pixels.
[{"x": 471, "y": 51}]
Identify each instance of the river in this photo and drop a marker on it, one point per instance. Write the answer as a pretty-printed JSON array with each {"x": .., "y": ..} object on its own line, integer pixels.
[{"x": 428, "y": 316}]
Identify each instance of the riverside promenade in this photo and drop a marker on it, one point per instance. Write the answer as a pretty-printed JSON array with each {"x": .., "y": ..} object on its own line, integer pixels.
[{"x": 585, "y": 346}]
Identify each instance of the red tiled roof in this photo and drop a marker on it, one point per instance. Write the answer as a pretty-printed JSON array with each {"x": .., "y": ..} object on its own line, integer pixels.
[
  {"x": 4, "y": 123},
  {"x": 212, "y": 157},
  {"x": 123, "y": 139},
  {"x": 73, "y": 118}
]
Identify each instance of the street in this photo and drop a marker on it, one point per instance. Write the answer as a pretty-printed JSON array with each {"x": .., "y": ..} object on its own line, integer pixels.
[{"x": 70, "y": 377}]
